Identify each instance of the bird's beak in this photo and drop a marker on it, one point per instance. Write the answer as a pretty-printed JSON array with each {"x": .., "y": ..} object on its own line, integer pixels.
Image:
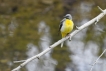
[{"x": 65, "y": 16}]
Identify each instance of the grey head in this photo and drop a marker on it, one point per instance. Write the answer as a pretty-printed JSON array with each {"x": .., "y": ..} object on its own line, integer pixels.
[{"x": 68, "y": 16}]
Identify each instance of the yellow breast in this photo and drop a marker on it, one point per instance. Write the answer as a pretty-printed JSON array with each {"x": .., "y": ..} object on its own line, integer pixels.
[{"x": 68, "y": 26}]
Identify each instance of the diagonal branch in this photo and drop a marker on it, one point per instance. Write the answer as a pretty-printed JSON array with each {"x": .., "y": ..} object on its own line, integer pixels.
[
  {"x": 96, "y": 19},
  {"x": 97, "y": 60}
]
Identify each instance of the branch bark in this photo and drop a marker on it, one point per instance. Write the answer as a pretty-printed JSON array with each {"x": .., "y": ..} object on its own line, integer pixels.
[{"x": 94, "y": 20}]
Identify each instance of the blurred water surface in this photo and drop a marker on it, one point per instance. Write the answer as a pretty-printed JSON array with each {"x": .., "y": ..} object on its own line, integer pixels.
[{"x": 28, "y": 27}]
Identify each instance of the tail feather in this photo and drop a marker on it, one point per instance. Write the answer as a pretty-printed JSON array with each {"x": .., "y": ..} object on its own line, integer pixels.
[
  {"x": 62, "y": 44},
  {"x": 63, "y": 35}
]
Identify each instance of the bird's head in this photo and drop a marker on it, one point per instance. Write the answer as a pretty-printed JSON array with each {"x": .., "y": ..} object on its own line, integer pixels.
[{"x": 68, "y": 16}]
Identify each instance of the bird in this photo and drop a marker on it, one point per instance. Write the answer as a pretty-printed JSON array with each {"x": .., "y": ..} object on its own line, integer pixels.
[{"x": 66, "y": 26}]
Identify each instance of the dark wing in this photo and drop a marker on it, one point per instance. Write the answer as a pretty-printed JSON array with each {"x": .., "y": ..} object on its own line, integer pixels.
[{"x": 61, "y": 24}]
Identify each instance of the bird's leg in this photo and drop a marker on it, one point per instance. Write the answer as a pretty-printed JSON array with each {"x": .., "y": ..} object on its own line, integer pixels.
[{"x": 68, "y": 34}]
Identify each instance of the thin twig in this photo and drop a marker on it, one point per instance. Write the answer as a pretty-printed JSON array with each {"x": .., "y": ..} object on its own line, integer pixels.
[
  {"x": 97, "y": 60},
  {"x": 19, "y": 61}
]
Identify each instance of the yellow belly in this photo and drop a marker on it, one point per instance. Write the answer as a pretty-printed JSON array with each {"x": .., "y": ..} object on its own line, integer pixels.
[{"x": 68, "y": 27}]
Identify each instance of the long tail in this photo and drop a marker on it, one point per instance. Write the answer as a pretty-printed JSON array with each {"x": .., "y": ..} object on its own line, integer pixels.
[
  {"x": 63, "y": 35},
  {"x": 62, "y": 44}
]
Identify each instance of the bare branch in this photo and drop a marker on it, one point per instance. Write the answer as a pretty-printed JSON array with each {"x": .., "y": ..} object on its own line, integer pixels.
[
  {"x": 62, "y": 40},
  {"x": 97, "y": 60},
  {"x": 100, "y": 9},
  {"x": 19, "y": 61}
]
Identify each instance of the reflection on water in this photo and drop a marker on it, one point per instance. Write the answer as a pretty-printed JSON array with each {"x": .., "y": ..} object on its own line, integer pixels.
[
  {"x": 45, "y": 63},
  {"x": 32, "y": 50},
  {"x": 83, "y": 58}
]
